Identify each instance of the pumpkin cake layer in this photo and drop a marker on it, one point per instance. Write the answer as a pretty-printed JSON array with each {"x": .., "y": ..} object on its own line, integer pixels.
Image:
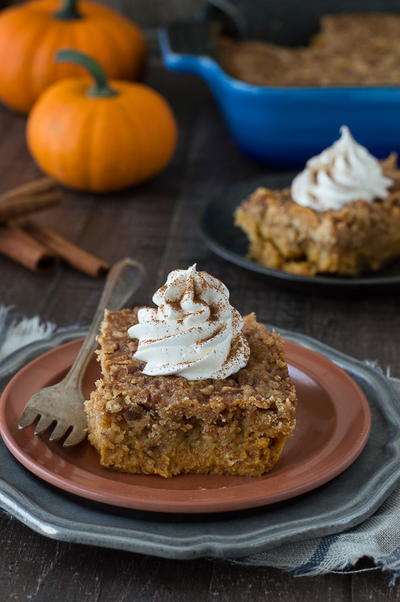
[
  {"x": 349, "y": 50},
  {"x": 360, "y": 237},
  {"x": 168, "y": 425}
]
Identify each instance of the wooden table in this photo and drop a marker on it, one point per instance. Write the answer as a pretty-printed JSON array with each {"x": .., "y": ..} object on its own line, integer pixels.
[{"x": 156, "y": 223}]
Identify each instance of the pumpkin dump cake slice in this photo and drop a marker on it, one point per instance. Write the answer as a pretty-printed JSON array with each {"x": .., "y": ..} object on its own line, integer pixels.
[
  {"x": 190, "y": 386},
  {"x": 340, "y": 216}
]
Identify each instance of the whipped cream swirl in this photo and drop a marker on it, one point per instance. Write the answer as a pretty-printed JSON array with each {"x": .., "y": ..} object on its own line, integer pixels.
[
  {"x": 342, "y": 173},
  {"x": 194, "y": 332}
]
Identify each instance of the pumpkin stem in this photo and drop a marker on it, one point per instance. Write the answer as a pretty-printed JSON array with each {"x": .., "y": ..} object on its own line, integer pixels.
[
  {"x": 68, "y": 10},
  {"x": 100, "y": 87}
]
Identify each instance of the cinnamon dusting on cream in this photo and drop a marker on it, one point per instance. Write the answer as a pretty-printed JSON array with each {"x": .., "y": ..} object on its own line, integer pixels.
[{"x": 194, "y": 332}]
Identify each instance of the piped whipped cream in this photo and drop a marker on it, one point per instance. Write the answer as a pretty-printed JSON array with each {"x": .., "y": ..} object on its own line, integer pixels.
[
  {"x": 194, "y": 332},
  {"x": 342, "y": 173}
]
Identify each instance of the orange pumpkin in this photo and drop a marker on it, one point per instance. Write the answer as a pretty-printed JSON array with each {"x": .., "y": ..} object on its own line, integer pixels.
[
  {"x": 31, "y": 35},
  {"x": 102, "y": 137}
]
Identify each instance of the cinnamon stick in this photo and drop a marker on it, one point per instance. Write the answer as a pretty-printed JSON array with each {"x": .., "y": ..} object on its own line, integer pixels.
[
  {"x": 17, "y": 205},
  {"x": 18, "y": 245},
  {"x": 27, "y": 198},
  {"x": 70, "y": 253},
  {"x": 37, "y": 186}
]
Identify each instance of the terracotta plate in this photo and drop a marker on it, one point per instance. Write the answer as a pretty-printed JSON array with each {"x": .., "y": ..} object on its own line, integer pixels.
[{"x": 333, "y": 422}]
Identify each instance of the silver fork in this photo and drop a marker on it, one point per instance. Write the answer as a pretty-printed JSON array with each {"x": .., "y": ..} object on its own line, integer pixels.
[{"x": 61, "y": 405}]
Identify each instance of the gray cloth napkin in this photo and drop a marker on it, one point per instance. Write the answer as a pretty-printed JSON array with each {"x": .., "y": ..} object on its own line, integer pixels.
[
  {"x": 17, "y": 331},
  {"x": 378, "y": 537}
]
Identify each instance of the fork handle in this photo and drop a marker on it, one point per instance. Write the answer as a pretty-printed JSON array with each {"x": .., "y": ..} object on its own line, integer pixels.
[{"x": 122, "y": 281}]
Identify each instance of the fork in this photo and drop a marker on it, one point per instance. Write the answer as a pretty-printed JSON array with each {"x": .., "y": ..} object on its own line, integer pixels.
[{"x": 61, "y": 404}]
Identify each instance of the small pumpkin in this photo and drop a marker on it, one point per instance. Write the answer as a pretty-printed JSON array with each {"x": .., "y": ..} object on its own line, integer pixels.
[
  {"x": 31, "y": 35},
  {"x": 100, "y": 137}
]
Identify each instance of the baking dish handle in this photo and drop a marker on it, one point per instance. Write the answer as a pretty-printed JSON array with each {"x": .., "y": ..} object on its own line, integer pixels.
[{"x": 186, "y": 47}]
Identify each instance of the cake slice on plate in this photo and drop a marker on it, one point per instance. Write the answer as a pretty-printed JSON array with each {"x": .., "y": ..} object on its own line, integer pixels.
[
  {"x": 190, "y": 386},
  {"x": 340, "y": 216}
]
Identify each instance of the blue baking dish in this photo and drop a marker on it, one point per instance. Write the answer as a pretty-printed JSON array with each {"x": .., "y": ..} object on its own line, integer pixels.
[{"x": 281, "y": 125}]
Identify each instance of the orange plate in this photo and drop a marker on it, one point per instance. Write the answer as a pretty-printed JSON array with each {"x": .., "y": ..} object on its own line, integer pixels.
[{"x": 333, "y": 422}]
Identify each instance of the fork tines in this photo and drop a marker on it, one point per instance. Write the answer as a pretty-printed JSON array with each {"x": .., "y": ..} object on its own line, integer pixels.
[{"x": 29, "y": 416}]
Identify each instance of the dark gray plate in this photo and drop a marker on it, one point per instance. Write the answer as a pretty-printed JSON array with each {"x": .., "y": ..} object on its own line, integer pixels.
[
  {"x": 338, "y": 505},
  {"x": 230, "y": 242}
]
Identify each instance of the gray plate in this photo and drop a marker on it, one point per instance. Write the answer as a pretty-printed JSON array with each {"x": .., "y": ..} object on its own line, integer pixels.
[
  {"x": 230, "y": 242},
  {"x": 338, "y": 505}
]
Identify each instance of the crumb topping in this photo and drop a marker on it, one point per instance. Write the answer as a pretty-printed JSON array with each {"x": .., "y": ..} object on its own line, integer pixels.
[
  {"x": 350, "y": 50},
  {"x": 263, "y": 384}
]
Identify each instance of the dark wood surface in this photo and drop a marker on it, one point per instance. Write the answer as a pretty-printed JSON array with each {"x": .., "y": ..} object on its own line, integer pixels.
[{"x": 156, "y": 223}]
